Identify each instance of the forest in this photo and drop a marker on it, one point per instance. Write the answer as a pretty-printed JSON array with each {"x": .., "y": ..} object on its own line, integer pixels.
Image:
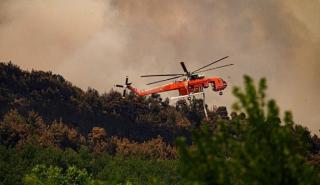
[{"x": 52, "y": 132}]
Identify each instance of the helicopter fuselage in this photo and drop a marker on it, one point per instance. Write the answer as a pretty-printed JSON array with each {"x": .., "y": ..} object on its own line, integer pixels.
[{"x": 185, "y": 87}]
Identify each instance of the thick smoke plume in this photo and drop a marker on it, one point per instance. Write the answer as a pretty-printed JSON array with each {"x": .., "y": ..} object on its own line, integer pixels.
[{"x": 98, "y": 42}]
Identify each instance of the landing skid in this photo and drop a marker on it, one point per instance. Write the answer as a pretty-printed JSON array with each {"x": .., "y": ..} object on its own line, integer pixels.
[{"x": 193, "y": 95}]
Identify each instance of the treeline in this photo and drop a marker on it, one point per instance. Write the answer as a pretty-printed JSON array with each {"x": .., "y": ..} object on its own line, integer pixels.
[
  {"x": 136, "y": 118},
  {"x": 55, "y": 99}
]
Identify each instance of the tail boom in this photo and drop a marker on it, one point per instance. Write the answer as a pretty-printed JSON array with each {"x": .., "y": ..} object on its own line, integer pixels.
[{"x": 168, "y": 87}]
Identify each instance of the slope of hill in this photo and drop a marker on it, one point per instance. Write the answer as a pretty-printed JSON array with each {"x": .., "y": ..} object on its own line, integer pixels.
[{"x": 54, "y": 98}]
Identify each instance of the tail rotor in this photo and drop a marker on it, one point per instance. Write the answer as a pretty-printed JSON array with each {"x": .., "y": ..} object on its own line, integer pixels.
[{"x": 125, "y": 86}]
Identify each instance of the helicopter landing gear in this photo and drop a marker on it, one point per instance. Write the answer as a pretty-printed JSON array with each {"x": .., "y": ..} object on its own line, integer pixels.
[{"x": 220, "y": 93}]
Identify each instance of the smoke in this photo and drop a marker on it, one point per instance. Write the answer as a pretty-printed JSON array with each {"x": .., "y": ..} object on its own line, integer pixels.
[
  {"x": 42, "y": 34},
  {"x": 98, "y": 42}
]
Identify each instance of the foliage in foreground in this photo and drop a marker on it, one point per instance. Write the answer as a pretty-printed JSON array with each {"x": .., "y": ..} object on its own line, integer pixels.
[
  {"x": 42, "y": 174},
  {"x": 18, "y": 164},
  {"x": 259, "y": 149}
]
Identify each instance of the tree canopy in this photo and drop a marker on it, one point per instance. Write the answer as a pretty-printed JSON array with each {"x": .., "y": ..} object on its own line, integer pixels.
[{"x": 258, "y": 149}]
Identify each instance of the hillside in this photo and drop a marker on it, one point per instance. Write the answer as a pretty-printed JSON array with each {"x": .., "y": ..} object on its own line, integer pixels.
[{"x": 55, "y": 99}]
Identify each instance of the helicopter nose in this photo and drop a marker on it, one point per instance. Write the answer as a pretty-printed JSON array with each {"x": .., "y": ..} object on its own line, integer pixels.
[{"x": 224, "y": 84}]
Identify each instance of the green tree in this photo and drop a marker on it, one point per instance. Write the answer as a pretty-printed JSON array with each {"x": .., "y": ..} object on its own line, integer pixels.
[
  {"x": 260, "y": 149},
  {"x": 54, "y": 175}
]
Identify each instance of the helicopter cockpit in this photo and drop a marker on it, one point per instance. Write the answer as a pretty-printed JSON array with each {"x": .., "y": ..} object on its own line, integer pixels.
[{"x": 196, "y": 76}]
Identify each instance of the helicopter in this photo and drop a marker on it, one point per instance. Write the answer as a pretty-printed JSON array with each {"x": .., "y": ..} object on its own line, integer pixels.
[{"x": 190, "y": 84}]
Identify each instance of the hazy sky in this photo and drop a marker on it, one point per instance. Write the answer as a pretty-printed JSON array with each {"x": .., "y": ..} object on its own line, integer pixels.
[{"x": 98, "y": 42}]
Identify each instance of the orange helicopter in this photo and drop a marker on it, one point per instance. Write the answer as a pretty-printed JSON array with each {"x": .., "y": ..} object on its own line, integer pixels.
[{"x": 192, "y": 83}]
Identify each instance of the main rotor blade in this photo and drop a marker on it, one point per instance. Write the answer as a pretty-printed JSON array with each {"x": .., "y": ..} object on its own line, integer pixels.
[
  {"x": 161, "y": 75},
  {"x": 210, "y": 64},
  {"x": 184, "y": 67},
  {"x": 215, "y": 68},
  {"x": 166, "y": 79},
  {"x": 119, "y": 86}
]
